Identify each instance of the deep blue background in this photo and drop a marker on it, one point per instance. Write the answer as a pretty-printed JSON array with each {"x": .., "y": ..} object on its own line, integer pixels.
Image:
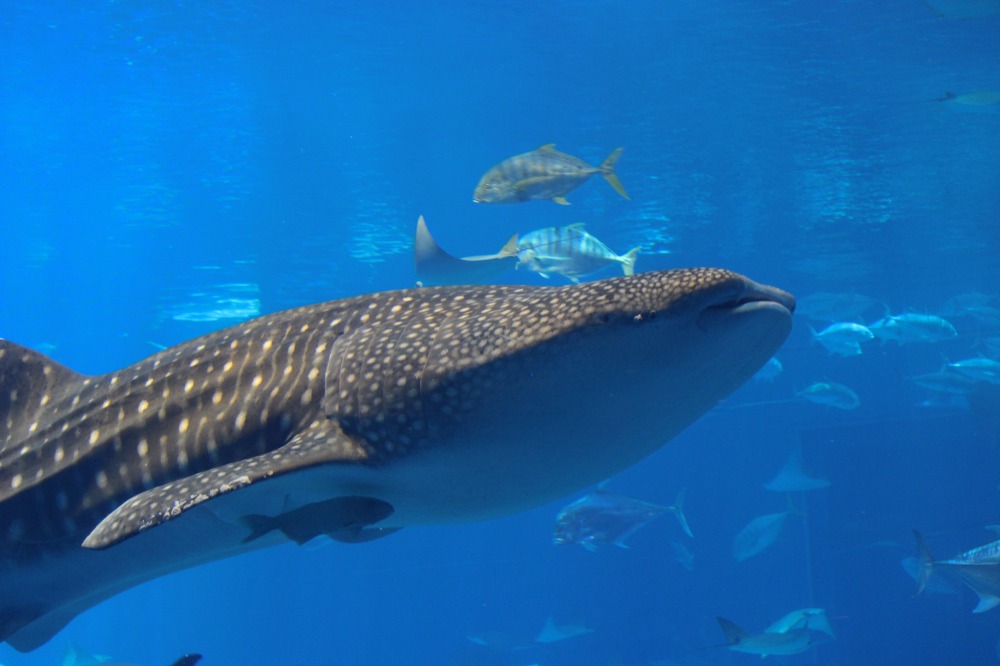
[{"x": 153, "y": 155}]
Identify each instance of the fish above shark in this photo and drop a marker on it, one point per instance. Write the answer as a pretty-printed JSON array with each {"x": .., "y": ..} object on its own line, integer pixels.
[{"x": 417, "y": 399}]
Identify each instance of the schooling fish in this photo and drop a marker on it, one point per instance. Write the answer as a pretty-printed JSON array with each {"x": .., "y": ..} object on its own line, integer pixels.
[
  {"x": 545, "y": 173},
  {"x": 418, "y": 398},
  {"x": 569, "y": 251}
]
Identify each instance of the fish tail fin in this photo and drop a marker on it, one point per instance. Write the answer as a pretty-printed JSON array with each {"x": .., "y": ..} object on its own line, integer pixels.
[
  {"x": 677, "y": 508},
  {"x": 258, "y": 525},
  {"x": 732, "y": 631},
  {"x": 608, "y": 171},
  {"x": 628, "y": 260},
  {"x": 926, "y": 562}
]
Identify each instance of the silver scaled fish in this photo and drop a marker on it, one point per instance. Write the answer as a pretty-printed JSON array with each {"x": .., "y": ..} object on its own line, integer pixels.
[
  {"x": 569, "y": 251},
  {"x": 545, "y": 173}
]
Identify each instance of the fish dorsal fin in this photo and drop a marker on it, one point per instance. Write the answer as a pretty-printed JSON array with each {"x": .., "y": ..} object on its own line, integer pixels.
[
  {"x": 425, "y": 248},
  {"x": 28, "y": 382},
  {"x": 321, "y": 443},
  {"x": 732, "y": 631},
  {"x": 509, "y": 248},
  {"x": 547, "y": 148}
]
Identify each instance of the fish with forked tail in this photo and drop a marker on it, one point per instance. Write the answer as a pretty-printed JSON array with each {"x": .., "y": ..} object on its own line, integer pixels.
[
  {"x": 569, "y": 251},
  {"x": 545, "y": 173},
  {"x": 344, "y": 519}
]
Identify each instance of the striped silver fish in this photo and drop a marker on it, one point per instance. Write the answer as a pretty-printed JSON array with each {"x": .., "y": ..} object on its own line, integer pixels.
[
  {"x": 569, "y": 251},
  {"x": 545, "y": 173}
]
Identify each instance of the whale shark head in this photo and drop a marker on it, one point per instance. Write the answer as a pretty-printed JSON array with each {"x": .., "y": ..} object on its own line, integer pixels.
[{"x": 535, "y": 392}]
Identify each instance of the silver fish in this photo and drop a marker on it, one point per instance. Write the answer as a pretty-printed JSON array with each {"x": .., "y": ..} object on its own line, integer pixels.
[
  {"x": 407, "y": 397},
  {"x": 831, "y": 394},
  {"x": 758, "y": 535},
  {"x": 569, "y": 251},
  {"x": 980, "y": 368},
  {"x": 913, "y": 327},
  {"x": 603, "y": 517},
  {"x": 765, "y": 644},
  {"x": 946, "y": 381},
  {"x": 545, "y": 173},
  {"x": 978, "y": 568},
  {"x": 814, "y": 619},
  {"x": 771, "y": 369},
  {"x": 842, "y": 338}
]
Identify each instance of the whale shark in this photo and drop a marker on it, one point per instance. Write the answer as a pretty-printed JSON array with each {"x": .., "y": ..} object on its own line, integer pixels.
[{"x": 421, "y": 406}]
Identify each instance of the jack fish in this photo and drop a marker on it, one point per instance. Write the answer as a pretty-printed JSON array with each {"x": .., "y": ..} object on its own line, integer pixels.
[
  {"x": 418, "y": 399},
  {"x": 569, "y": 251},
  {"x": 545, "y": 173},
  {"x": 978, "y": 568}
]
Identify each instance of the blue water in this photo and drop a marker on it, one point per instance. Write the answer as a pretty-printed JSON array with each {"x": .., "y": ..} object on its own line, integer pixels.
[{"x": 169, "y": 168}]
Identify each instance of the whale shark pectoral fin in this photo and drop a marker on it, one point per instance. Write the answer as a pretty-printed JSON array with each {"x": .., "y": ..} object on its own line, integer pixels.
[{"x": 321, "y": 443}]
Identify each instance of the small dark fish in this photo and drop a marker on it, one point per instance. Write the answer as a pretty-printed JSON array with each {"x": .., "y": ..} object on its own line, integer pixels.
[
  {"x": 545, "y": 173},
  {"x": 603, "y": 517},
  {"x": 340, "y": 518}
]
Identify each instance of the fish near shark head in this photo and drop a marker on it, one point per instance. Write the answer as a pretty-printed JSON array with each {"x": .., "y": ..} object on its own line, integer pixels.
[{"x": 535, "y": 392}]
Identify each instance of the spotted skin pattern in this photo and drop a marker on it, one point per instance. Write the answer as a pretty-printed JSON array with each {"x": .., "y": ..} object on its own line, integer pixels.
[{"x": 367, "y": 382}]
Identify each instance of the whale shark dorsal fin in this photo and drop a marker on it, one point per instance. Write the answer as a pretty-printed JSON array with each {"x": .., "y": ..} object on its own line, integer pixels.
[{"x": 30, "y": 383}]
